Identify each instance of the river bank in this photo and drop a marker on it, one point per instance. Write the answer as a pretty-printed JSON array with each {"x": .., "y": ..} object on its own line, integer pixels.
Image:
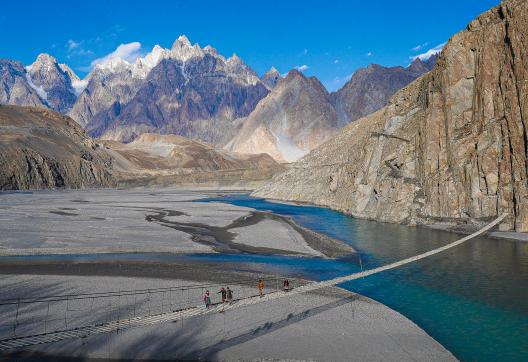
[{"x": 461, "y": 227}]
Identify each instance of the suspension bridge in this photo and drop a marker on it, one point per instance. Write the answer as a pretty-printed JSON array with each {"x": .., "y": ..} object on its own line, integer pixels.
[{"x": 184, "y": 312}]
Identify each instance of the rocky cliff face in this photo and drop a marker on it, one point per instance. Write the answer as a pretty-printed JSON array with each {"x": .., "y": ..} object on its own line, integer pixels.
[
  {"x": 371, "y": 88},
  {"x": 452, "y": 146},
  {"x": 43, "y": 149},
  {"x": 293, "y": 119},
  {"x": 46, "y": 74},
  {"x": 16, "y": 88}
]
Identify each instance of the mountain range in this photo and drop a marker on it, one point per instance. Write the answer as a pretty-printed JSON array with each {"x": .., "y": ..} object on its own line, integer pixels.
[{"x": 199, "y": 94}]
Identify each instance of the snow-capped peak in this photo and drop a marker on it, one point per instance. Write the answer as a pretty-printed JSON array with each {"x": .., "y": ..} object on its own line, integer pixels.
[
  {"x": 234, "y": 59},
  {"x": 43, "y": 61},
  {"x": 142, "y": 66},
  {"x": 183, "y": 50},
  {"x": 46, "y": 58},
  {"x": 113, "y": 64},
  {"x": 182, "y": 39},
  {"x": 273, "y": 70}
]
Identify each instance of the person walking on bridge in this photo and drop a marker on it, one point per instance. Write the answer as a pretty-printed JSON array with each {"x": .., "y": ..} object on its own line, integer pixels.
[
  {"x": 207, "y": 299},
  {"x": 224, "y": 294},
  {"x": 229, "y": 293},
  {"x": 260, "y": 286},
  {"x": 286, "y": 285}
]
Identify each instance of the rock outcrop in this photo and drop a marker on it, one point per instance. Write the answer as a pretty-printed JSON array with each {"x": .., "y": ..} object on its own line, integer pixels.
[
  {"x": 451, "y": 146},
  {"x": 293, "y": 119},
  {"x": 55, "y": 83},
  {"x": 16, "y": 88},
  {"x": 271, "y": 78},
  {"x": 371, "y": 88},
  {"x": 43, "y": 149}
]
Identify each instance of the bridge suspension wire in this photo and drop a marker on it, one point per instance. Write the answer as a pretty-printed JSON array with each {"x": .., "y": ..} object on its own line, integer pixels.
[
  {"x": 81, "y": 332},
  {"x": 64, "y": 297}
]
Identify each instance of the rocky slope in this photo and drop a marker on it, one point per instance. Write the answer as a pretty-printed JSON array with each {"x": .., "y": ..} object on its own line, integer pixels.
[
  {"x": 451, "y": 146},
  {"x": 16, "y": 88},
  {"x": 55, "y": 83},
  {"x": 170, "y": 154},
  {"x": 293, "y": 119},
  {"x": 43, "y": 149},
  {"x": 371, "y": 88}
]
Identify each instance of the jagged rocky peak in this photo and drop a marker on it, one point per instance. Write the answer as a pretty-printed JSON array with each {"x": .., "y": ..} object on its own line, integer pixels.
[
  {"x": 237, "y": 67},
  {"x": 182, "y": 41},
  {"x": 420, "y": 66},
  {"x": 370, "y": 88},
  {"x": 183, "y": 50},
  {"x": 44, "y": 59},
  {"x": 53, "y": 83},
  {"x": 270, "y": 78},
  {"x": 234, "y": 59},
  {"x": 212, "y": 51},
  {"x": 16, "y": 86},
  {"x": 294, "y": 118}
]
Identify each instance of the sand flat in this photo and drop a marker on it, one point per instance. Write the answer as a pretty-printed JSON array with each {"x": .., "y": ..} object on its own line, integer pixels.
[
  {"x": 331, "y": 325},
  {"x": 145, "y": 220},
  {"x": 273, "y": 234}
]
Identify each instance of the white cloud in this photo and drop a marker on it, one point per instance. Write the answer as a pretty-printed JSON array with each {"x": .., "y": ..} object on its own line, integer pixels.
[
  {"x": 428, "y": 54},
  {"x": 369, "y": 54},
  {"x": 128, "y": 52},
  {"x": 72, "y": 44},
  {"x": 302, "y": 68},
  {"x": 305, "y": 51},
  {"x": 76, "y": 48},
  {"x": 420, "y": 46},
  {"x": 336, "y": 61}
]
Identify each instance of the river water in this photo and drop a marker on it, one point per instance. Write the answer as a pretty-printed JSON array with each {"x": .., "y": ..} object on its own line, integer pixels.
[{"x": 473, "y": 299}]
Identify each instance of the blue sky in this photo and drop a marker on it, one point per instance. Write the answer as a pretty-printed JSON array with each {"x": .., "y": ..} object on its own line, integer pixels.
[{"x": 329, "y": 39}]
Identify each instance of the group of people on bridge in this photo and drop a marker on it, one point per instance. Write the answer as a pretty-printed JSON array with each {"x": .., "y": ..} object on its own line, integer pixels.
[{"x": 227, "y": 293}]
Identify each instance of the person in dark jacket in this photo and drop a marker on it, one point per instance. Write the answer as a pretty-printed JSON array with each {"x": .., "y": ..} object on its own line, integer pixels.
[
  {"x": 286, "y": 285},
  {"x": 224, "y": 294},
  {"x": 229, "y": 294}
]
